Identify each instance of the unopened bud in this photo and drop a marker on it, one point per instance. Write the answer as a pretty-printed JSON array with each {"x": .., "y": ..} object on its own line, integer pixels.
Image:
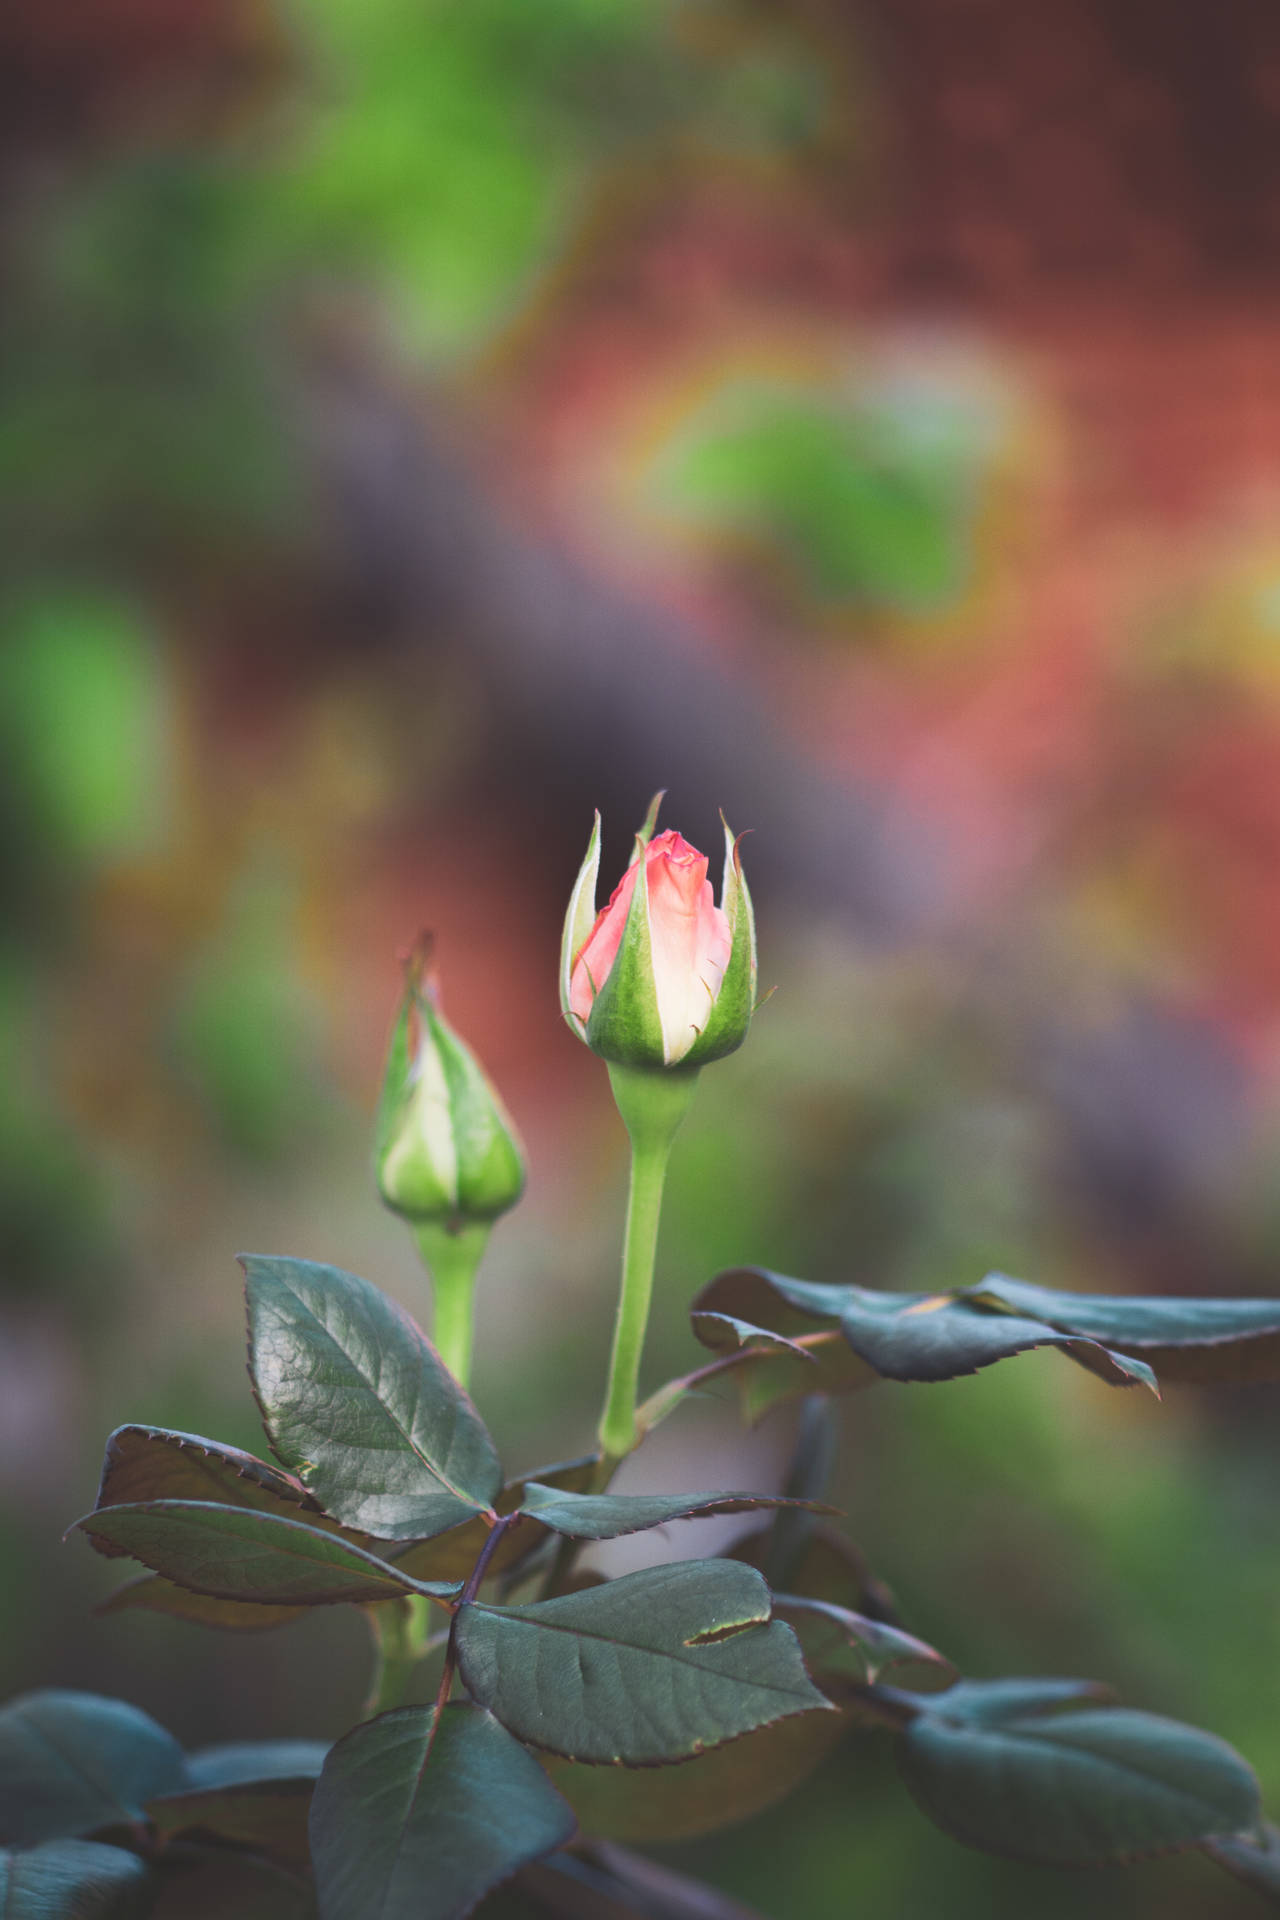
[
  {"x": 661, "y": 977},
  {"x": 446, "y": 1150}
]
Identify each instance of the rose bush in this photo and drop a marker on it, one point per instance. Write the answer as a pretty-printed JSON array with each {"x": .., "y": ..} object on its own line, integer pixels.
[{"x": 525, "y": 1715}]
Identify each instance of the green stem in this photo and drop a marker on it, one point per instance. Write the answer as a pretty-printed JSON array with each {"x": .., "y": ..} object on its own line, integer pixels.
[
  {"x": 401, "y": 1628},
  {"x": 395, "y": 1654},
  {"x": 402, "y": 1639},
  {"x": 652, "y": 1104},
  {"x": 452, "y": 1260}
]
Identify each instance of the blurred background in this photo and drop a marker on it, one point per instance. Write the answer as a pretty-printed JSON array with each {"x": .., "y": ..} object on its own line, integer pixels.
[{"x": 423, "y": 421}]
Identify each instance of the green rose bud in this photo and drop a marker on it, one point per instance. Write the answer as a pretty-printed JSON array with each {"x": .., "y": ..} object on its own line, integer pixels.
[{"x": 446, "y": 1151}]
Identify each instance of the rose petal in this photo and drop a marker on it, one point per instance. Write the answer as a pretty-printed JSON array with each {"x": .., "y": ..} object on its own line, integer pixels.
[
  {"x": 592, "y": 967},
  {"x": 690, "y": 939}
]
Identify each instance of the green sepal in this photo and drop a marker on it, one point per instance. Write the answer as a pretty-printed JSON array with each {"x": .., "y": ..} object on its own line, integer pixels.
[
  {"x": 730, "y": 1016},
  {"x": 489, "y": 1165},
  {"x": 399, "y": 1063},
  {"x": 625, "y": 1026},
  {"x": 578, "y": 922},
  {"x": 648, "y": 825},
  {"x": 414, "y": 1153}
]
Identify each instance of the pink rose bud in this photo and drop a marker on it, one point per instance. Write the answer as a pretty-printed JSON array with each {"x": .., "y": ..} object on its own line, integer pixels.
[
  {"x": 446, "y": 1150},
  {"x": 662, "y": 976}
]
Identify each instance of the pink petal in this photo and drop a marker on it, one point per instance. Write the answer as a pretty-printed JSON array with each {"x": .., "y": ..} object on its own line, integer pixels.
[
  {"x": 592, "y": 967},
  {"x": 690, "y": 939}
]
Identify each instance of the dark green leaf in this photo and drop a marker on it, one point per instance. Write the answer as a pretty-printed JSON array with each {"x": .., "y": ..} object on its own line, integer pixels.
[
  {"x": 725, "y": 1334},
  {"x": 155, "y": 1463},
  {"x": 448, "y": 1558},
  {"x": 240, "y": 1761},
  {"x": 1255, "y": 1861},
  {"x": 997, "y": 1700},
  {"x": 73, "y": 1762},
  {"x": 718, "y": 1789},
  {"x": 412, "y": 1821},
  {"x": 877, "y": 1646},
  {"x": 909, "y": 1336},
  {"x": 236, "y": 1554},
  {"x": 630, "y": 1672},
  {"x": 997, "y": 1767},
  {"x": 266, "y": 1816},
  {"x": 1236, "y": 1340},
  {"x": 751, "y": 1301},
  {"x": 152, "y": 1594},
  {"x": 358, "y": 1403},
  {"x": 605, "y": 1516},
  {"x": 74, "y": 1880}
]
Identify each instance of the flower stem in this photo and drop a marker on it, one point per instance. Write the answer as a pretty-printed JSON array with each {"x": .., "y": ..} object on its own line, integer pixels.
[
  {"x": 452, "y": 1260},
  {"x": 652, "y": 1104}
]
